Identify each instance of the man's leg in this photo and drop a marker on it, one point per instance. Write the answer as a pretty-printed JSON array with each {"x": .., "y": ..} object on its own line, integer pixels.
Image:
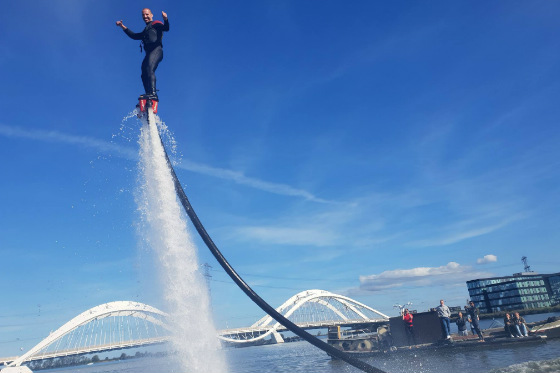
[
  {"x": 523, "y": 330},
  {"x": 145, "y": 74},
  {"x": 154, "y": 58},
  {"x": 508, "y": 330},
  {"x": 479, "y": 332},
  {"x": 408, "y": 335}
]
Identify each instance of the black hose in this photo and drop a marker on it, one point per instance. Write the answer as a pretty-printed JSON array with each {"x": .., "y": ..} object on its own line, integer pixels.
[{"x": 247, "y": 289}]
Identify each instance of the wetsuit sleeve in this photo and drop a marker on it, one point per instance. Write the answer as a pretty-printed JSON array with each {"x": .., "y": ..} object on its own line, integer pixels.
[
  {"x": 133, "y": 35},
  {"x": 165, "y": 25}
]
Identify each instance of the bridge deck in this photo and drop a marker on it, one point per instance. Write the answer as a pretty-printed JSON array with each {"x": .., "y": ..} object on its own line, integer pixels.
[{"x": 309, "y": 325}]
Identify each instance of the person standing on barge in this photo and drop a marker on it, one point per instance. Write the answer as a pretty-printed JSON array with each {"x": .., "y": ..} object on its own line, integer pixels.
[
  {"x": 473, "y": 313},
  {"x": 408, "y": 327},
  {"x": 444, "y": 314}
]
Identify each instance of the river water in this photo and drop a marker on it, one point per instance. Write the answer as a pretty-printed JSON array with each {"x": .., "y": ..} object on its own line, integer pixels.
[{"x": 300, "y": 357}]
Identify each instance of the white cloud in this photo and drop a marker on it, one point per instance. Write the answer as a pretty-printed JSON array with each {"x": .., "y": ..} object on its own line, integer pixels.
[
  {"x": 487, "y": 259},
  {"x": 449, "y": 274}
]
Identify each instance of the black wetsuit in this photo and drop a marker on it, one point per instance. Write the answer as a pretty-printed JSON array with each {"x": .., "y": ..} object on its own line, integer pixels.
[{"x": 151, "y": 38}]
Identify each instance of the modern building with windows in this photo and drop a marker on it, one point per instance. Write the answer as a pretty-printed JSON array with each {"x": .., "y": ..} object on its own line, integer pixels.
[{"x": 522, "y": 290}]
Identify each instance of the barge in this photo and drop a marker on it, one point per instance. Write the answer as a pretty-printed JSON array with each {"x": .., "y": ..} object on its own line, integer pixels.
[{"x": 392, "y": 338}]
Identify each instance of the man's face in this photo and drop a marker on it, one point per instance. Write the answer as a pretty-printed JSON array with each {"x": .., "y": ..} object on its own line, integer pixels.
[
  {"x": 147, "y": 15},
  {"x": 441, "y": 302}
]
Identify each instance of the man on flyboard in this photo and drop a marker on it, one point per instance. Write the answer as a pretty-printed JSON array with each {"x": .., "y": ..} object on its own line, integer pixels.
[{"x": 151, "y": 39}]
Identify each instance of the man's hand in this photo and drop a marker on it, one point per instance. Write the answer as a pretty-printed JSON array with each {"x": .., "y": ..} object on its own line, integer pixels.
[
  {"x": 164, "y": 15},
  {"x": 120, "y": 24}
]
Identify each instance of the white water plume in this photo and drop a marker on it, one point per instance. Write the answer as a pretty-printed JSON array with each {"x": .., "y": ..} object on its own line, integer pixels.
[{"x": 165, "y": 230}]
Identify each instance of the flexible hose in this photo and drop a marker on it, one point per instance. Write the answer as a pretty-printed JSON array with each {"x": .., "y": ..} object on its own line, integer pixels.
[{"x": 245, "y": 287}]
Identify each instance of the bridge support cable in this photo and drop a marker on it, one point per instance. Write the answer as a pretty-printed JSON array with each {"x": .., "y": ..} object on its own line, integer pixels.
[
  {"x": 58, "y": 344},
  {"x": 238, "y": 280}
]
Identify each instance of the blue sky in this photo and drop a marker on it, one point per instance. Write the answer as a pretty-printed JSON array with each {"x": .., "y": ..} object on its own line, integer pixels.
[{"x": 388, "y": 151}]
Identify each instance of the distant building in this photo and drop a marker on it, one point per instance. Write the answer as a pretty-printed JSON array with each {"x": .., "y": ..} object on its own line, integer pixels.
[{"x": 520, "y": 291}]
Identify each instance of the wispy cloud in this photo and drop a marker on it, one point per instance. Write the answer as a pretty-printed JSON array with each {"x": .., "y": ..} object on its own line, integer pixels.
[
  {"x": 451, "y": 273},
  {"x": 461, "y": 234},
  {"x": 240, "y": 178},
  {"x": 335, "y": 225},
  {"x": 132, "y": 154},
  {"x": 278, "y": 235},
  {"x": 59, "y": 137}
]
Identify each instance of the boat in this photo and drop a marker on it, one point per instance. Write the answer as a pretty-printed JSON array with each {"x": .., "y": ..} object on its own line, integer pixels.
[{"x": 549, "y": 327}]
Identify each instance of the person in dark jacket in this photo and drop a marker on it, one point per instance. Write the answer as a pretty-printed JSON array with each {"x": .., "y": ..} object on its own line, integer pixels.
[
  {"x": 151, "y": 38},
  {"x": 473, "y": 313},
  {"x": 520, "y": 322},
  {"x": 462, "y": 325},
  {"x": 511, "y": 327}
]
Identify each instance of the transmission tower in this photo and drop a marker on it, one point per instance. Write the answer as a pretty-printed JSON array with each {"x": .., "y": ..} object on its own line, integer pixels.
[
  {"x": 207, "y": 275},
  {"x": 527, "y": 267}
]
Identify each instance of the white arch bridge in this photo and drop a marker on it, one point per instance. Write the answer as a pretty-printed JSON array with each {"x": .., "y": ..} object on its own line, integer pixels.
[
  {"x": 124, "y": 324},
  {"x": 110, "y": 326},
  {"x": 310, "y": 309}
]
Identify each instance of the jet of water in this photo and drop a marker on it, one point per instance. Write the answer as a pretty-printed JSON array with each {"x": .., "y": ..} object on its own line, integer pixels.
[{"x": 165, "y": 230}]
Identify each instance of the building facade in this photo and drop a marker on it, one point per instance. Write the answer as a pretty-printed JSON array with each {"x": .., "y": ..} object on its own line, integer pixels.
[{"x": 520, "y": 291}]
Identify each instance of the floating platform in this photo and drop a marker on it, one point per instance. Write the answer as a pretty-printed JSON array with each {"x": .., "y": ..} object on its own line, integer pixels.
[
  {"x": 391, "y": 338},
  {"x": 466, "y": 343}
]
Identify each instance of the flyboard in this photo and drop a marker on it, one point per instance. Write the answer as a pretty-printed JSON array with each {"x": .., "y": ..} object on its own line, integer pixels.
[
  {"x": 144, "y": 102},
  {"x": 148, "y": 107}
]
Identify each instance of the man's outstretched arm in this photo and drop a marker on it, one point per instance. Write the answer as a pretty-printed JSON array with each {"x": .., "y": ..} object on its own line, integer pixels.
[{"x": 130, "y": 34}]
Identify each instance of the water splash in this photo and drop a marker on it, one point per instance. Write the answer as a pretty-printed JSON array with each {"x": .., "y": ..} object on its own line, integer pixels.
[{"x": 165, "y": 230}]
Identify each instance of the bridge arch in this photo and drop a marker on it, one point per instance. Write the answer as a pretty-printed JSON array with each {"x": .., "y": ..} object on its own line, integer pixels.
[
  {"x": 120, "y": 308},
  {"x": 345, "y": 308}
]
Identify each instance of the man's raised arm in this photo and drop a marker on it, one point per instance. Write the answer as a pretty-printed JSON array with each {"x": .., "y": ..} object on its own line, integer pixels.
[{"x": 165, "y": 21}]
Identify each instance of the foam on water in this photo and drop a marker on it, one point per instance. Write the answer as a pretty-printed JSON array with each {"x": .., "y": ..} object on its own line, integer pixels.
[
  {"x": 543, "y": 366},
  {"x": 165, "y": 230}
]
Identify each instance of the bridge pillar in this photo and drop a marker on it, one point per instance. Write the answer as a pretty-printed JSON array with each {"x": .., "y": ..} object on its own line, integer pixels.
[{"x": 277, "y": 337}]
